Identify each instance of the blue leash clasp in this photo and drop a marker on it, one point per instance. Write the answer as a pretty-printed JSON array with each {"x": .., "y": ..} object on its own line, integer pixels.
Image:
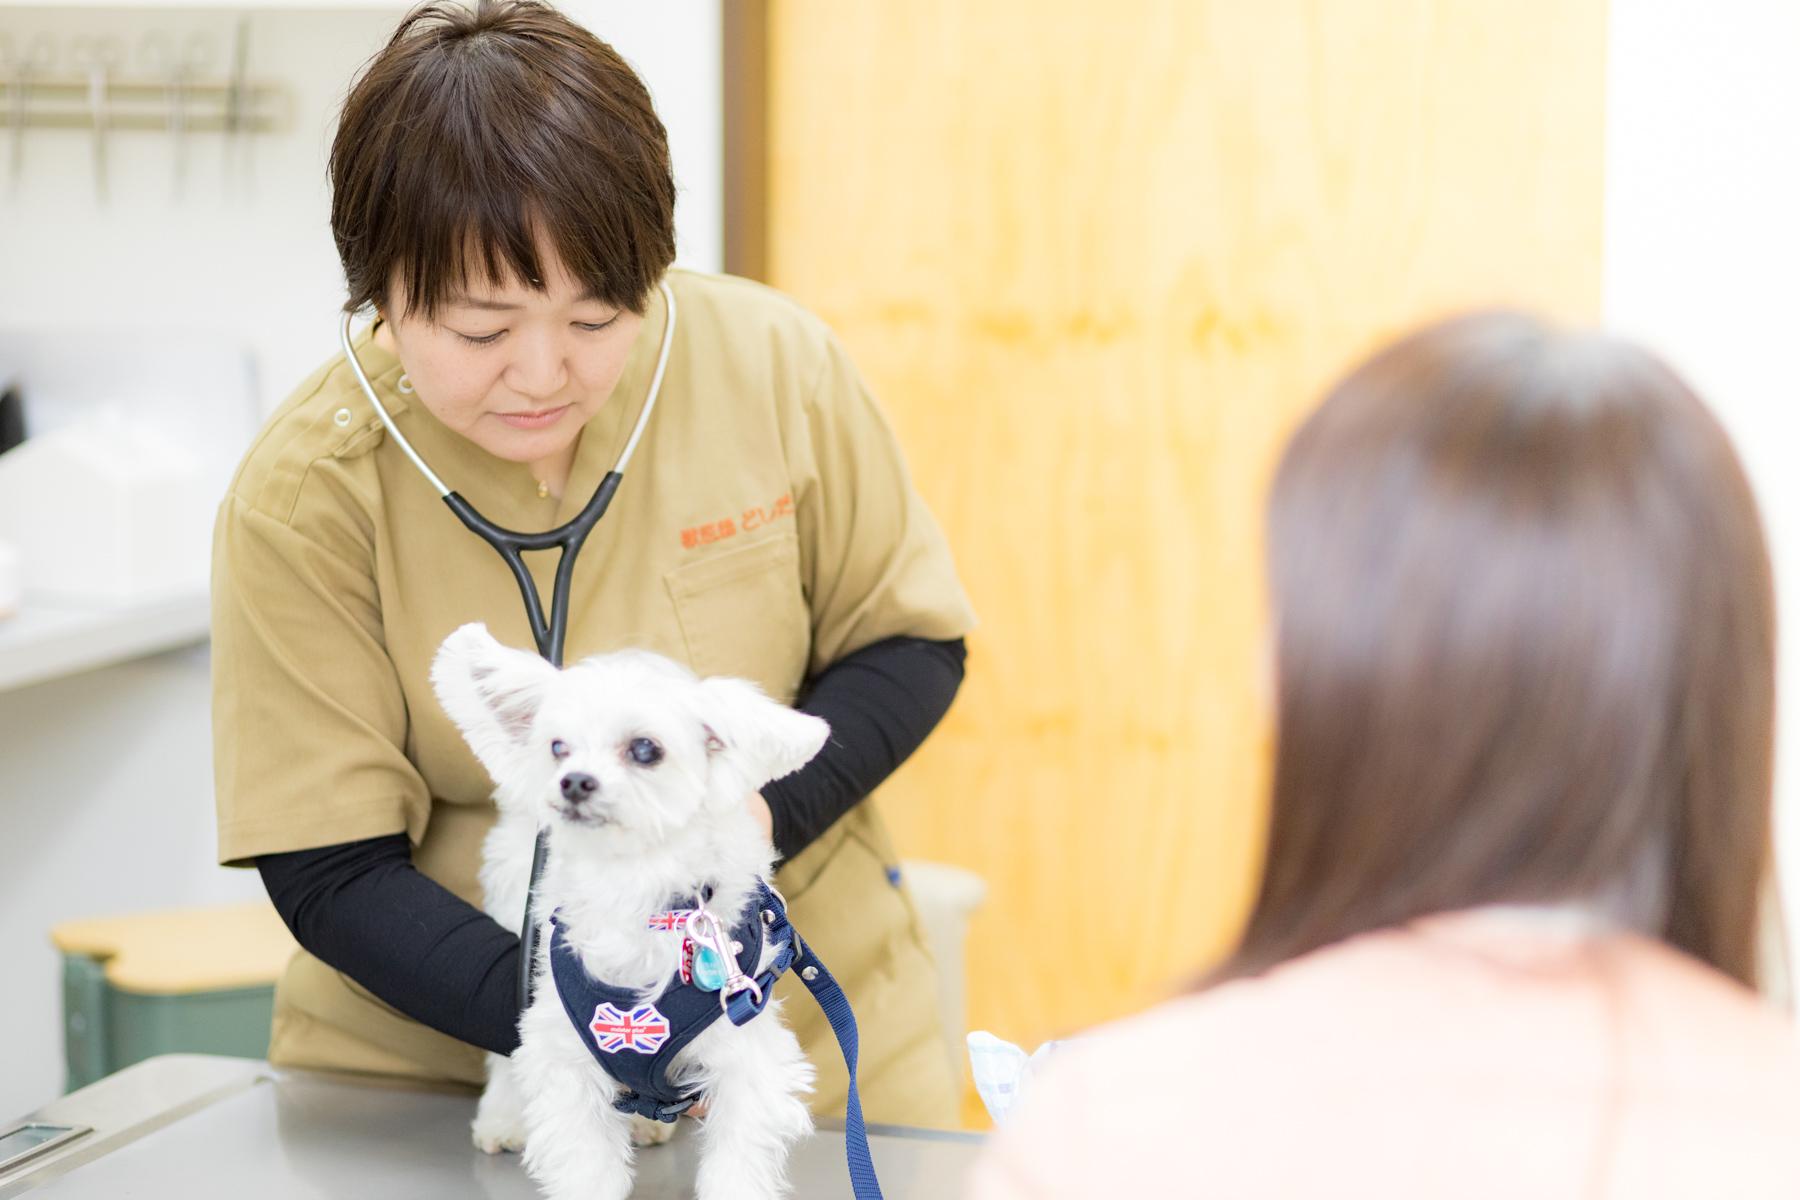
[{"x": 636, "y": 1041}]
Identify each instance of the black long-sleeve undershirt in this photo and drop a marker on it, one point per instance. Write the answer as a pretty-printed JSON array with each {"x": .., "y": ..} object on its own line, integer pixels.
[
  {"x": 363, "y": 908},
  {"x": 881, "y": 703}
]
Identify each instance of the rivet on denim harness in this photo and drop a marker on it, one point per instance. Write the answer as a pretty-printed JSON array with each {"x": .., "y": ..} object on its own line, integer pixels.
[{"x": 635, "y": 1040}]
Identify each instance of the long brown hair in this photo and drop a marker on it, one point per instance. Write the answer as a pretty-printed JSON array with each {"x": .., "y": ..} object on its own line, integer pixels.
[{"x": 1525, "y": 649}]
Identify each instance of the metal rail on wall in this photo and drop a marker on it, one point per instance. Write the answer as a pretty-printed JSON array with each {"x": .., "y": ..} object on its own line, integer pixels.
[{"x": 94, "y": 85}]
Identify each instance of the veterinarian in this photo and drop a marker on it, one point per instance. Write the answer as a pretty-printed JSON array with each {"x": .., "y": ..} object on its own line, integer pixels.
[{"x": 502, "y": 197}]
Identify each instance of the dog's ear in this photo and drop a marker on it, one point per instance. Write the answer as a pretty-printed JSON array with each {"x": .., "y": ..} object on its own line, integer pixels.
[
  {"x": 491, "y": 692},
  {"x": 764, "y": 740}
]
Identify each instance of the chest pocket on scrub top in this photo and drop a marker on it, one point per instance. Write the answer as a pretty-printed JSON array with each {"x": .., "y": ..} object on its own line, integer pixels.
[{"x": 742, "y": 613}]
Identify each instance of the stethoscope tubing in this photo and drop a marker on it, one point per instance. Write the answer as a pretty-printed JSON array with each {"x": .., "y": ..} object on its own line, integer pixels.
[{"x": 549, "y": 632}]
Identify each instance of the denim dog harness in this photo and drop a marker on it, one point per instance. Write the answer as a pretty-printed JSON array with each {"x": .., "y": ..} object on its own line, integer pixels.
[{"x": 636, "y": 1040}]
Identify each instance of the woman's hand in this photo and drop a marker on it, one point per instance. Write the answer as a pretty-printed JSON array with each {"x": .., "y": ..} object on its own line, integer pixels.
[{"x": 765, "y": 820}]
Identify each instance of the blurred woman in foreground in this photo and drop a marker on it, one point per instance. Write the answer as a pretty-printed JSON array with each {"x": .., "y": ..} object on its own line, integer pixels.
[{"x": 1506, "y": 941}]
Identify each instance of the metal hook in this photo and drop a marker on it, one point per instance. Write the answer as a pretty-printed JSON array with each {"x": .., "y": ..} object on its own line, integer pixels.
[
  {"x": 743, "y": 983},
  {"x": 158, "y": 59},
  {"x": 193, "y": 61},
  {"x": 13, "y": 64},
  {"x": 713, "y": 936},
  {"x": 41, "y": 56},
  {"x": 99, "y": 55},
  {"x": 237, "y": 147}
]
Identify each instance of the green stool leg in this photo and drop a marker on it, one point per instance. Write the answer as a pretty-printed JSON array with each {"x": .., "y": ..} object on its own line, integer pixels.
[
  {"x": 106, "y": 1029},
  {"x": 232, "y": 1022},
  {"x": 86, "y": 1021}
]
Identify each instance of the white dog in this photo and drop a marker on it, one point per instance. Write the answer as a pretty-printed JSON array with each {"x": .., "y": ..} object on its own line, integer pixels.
[{"x": 640, "y": 771}]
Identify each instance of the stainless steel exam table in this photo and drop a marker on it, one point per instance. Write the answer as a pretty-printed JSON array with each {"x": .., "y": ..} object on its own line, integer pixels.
[{"x": 196, "y": 1125}]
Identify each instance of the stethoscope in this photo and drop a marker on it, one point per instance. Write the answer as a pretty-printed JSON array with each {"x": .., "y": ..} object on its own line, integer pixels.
[{"x": 568, "y": 537}]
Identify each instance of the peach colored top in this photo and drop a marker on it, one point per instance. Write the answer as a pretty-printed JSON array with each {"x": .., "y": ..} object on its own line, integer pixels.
[{"x": 1477, "y": 1055}]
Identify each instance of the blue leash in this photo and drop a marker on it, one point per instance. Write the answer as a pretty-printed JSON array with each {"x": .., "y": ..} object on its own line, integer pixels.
[
  {"x": 836, "y": 1007},
  {"x": 682, "y": 1011}
]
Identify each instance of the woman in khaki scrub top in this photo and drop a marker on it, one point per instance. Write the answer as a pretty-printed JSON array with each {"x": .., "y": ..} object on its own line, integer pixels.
[{"x": 502, "y": 197}]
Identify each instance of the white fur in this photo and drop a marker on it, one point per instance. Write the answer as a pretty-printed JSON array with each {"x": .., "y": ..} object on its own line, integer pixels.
[{"x": 647, "y": 835}]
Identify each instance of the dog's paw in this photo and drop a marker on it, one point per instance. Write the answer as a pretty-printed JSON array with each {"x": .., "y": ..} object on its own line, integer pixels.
[
  {"x": 645, "y": 1132},
  {"x": 495, "y": 1138}
]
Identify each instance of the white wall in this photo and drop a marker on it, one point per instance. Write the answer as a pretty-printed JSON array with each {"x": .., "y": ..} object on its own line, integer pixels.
[
  {"x": 106, "y": 807},
  {"x": 675, "y": 46},
  {"x": 105, "y": 778},
  {"x": 1702, "y": 257},
  {"x": 247, "y": 251}
]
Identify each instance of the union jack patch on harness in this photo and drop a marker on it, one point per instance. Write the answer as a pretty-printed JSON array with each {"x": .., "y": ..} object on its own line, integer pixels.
[
  {"x": 670, "y": 921},
  {"x": 643, "y": 1030}
]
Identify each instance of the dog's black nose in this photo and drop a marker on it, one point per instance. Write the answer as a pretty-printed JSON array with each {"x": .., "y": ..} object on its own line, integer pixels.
[{"x": 578, "y": 786}]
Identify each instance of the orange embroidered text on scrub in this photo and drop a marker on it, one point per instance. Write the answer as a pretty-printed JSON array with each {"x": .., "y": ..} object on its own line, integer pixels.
[
  {"x": 752, "y": 519},
  {"x": 756, "y": 518}
]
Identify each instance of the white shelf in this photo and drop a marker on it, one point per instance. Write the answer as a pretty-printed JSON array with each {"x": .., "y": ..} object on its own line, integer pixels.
[{"x": 48, "y": 639}]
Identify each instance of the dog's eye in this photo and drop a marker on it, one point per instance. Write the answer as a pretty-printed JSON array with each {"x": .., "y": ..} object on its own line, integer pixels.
[
  {"x": 644, "y": 752},
  {"x": 559, "y": 749}
]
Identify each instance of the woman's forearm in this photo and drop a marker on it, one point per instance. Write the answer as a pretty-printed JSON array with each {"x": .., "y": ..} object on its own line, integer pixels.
[
  {"x": 363, "y": 908},
  {"x": 881, "y": 702}
]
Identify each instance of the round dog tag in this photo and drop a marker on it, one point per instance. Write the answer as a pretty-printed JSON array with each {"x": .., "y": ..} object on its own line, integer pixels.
[{"x": 709, "y": 969}]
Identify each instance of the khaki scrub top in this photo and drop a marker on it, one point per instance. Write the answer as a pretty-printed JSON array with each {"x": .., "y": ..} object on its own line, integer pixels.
[{"x": 765, "y": 528}]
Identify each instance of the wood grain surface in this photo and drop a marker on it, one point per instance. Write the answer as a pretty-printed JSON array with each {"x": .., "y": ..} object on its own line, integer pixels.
[{"x": 1097, "y": 260}]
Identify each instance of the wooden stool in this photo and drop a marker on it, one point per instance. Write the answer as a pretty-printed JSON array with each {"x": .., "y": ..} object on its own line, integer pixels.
[{"x": 196, "y": 980}]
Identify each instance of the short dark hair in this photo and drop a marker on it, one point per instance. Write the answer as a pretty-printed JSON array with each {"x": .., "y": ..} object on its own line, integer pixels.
[
  {"x": 1525, "y": 640},
  {"x": 477, "y": 129}
]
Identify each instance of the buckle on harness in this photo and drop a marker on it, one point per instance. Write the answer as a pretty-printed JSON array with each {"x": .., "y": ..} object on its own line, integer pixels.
[{"x": 638, "y": 1105}]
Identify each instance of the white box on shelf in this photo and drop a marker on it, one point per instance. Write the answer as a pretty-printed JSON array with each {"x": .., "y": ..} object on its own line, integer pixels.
[
  {"x": 132, "y": 437},
  {"x": 107, "y": 508}
]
